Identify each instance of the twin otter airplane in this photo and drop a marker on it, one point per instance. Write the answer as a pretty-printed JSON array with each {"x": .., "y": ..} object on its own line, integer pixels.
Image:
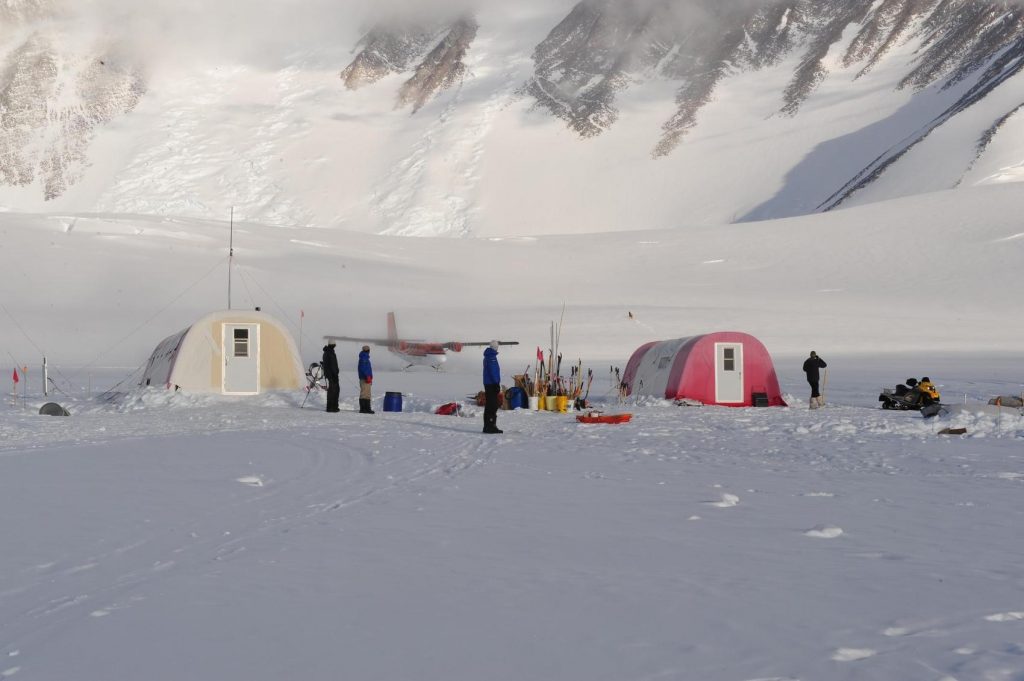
[{"x": 416, "y": 353}]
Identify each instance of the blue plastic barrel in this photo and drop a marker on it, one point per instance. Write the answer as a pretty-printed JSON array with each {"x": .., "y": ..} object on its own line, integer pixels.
[
  {"x": 516, "y": 398},
  {"x": 392, "y": 401}
]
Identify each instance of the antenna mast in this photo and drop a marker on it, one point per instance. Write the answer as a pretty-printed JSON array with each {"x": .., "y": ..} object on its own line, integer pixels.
[{"x": 231, "y": 252}]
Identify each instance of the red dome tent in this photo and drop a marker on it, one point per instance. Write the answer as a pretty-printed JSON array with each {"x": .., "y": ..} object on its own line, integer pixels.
[{"x": 726, "y": 368}]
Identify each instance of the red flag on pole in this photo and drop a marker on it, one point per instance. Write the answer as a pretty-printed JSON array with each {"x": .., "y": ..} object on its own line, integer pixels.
[
  {"x": 302, "y": 313},
  {"x": 16, "y": 376},
  {"x": 540, "y": 355}
]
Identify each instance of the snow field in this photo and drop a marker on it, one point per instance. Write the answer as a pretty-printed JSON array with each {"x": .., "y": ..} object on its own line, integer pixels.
[{"x": 170, "y": 536}]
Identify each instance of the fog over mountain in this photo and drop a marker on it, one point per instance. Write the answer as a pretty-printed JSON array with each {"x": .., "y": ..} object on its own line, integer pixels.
[{"x": 476, "y": 118}]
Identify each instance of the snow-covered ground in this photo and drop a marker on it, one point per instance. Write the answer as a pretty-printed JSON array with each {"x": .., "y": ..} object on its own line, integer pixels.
[
  {"x": 157, "y": 536},
  {"x": 185, "y": 537}
]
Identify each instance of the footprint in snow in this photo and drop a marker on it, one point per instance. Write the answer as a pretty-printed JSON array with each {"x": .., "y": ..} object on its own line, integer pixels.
[
  {"x": 1006, "y": 617},
  {"x": 923, "y": 628},
  {"x": 853, "y": 654},
  {"x": 728, "y": 501},
  {"x": 7, "y": 673},
  {"x": 824, "y": 532},
  {"x": 251, "y": 480}
]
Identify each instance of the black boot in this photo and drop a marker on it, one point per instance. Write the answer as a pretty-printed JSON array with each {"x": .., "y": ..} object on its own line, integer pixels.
[{"x": 364, "y": 407}]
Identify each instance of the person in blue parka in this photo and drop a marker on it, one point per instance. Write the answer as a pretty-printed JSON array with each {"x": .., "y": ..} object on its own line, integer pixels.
[
  {"x": 492, "y": 388},
  {"x": 365, "y": 381}
]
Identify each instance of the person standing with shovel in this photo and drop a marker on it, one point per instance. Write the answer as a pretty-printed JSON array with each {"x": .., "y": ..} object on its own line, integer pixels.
[{"x": 812, "y": 365}]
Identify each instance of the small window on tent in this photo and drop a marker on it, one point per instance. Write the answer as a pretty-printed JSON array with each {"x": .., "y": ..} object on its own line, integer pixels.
[{"x": 241, "y": 342}]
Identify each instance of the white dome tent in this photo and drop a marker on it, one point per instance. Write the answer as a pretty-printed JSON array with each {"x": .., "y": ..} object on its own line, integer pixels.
[{"x": 232, "y": 352}]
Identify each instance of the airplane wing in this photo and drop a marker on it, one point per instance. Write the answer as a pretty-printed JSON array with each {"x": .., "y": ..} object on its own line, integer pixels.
[
  {"x": 355, "y": 339},
  {"x": 481, "y": 344}
]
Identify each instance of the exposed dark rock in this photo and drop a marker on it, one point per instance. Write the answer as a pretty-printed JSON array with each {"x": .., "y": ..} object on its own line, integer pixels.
[
  {"x": 986, "y": 139},
  {"x": 387, "y": 50},
  {"x": 45, "y": 130},
  {"x": 442, "y": 68},
  {"x": 1007, "y": 65},
  {"x": 21, "y": 11},
  {"x": 590, "y": 56}
]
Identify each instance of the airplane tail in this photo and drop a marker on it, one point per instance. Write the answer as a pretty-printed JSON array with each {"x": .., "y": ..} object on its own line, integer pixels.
[{"x": 392, "y": 331}]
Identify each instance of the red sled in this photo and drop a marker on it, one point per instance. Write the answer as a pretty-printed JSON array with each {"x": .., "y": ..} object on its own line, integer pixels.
[
  {"x": 604, "y": 418},
  {"x": 450, "y": 409}
]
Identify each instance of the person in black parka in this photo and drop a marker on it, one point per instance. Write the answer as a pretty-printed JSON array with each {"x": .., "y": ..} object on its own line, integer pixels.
[
  {"x": 331, "y": 371},
  {"x": 811, "y": 366}
]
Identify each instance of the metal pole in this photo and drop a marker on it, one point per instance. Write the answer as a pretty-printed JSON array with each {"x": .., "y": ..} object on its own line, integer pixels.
[
  {"x": 231, "y": 252},
  {"x": 46, "y": 377}
]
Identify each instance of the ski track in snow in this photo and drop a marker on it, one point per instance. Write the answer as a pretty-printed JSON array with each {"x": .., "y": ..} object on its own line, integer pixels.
[{"x": 361, "y": 471}]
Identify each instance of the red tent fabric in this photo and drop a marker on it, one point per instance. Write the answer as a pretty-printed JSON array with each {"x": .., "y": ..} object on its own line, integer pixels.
[{"x": 726, "y": 368}]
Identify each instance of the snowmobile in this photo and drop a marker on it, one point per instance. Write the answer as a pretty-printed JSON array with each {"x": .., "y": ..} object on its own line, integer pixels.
[{"x": 908, "y": 397}]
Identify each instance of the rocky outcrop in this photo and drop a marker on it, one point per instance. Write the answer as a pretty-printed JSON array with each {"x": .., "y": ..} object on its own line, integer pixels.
[
  {"x": 589, "y": 57},
  {"x": 51, "y": 105},
  {"x": 442, "y": 68},
  {"x": 386, "y": 50},
  {"x": 602, "y": 47},
  {"x": 22, "y": 11},
  {"x": 726, "y": 38}
]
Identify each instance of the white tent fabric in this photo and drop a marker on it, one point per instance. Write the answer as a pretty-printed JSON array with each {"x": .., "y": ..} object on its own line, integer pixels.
[{"x": 196, "y": 358}]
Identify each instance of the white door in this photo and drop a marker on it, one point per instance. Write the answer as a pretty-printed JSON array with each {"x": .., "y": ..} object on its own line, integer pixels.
[
  {"x": 729, "y": 373},
  {"x": 241, "y": 359}
]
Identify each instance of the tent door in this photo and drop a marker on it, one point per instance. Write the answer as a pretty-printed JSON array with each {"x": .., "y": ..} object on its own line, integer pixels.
[
  {"x": 729, "y": 373},
  {"x": 241, "y": 344}
]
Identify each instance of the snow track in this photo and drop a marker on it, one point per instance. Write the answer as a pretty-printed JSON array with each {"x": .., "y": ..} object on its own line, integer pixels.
[{"x": 308, "y": 478}]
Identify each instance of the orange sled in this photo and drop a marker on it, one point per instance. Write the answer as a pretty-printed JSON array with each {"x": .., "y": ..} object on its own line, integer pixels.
[{"x": 604, "y": 418}]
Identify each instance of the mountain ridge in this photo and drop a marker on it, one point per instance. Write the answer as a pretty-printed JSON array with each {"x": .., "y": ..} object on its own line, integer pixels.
[{"x": 592, "y": 71}]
